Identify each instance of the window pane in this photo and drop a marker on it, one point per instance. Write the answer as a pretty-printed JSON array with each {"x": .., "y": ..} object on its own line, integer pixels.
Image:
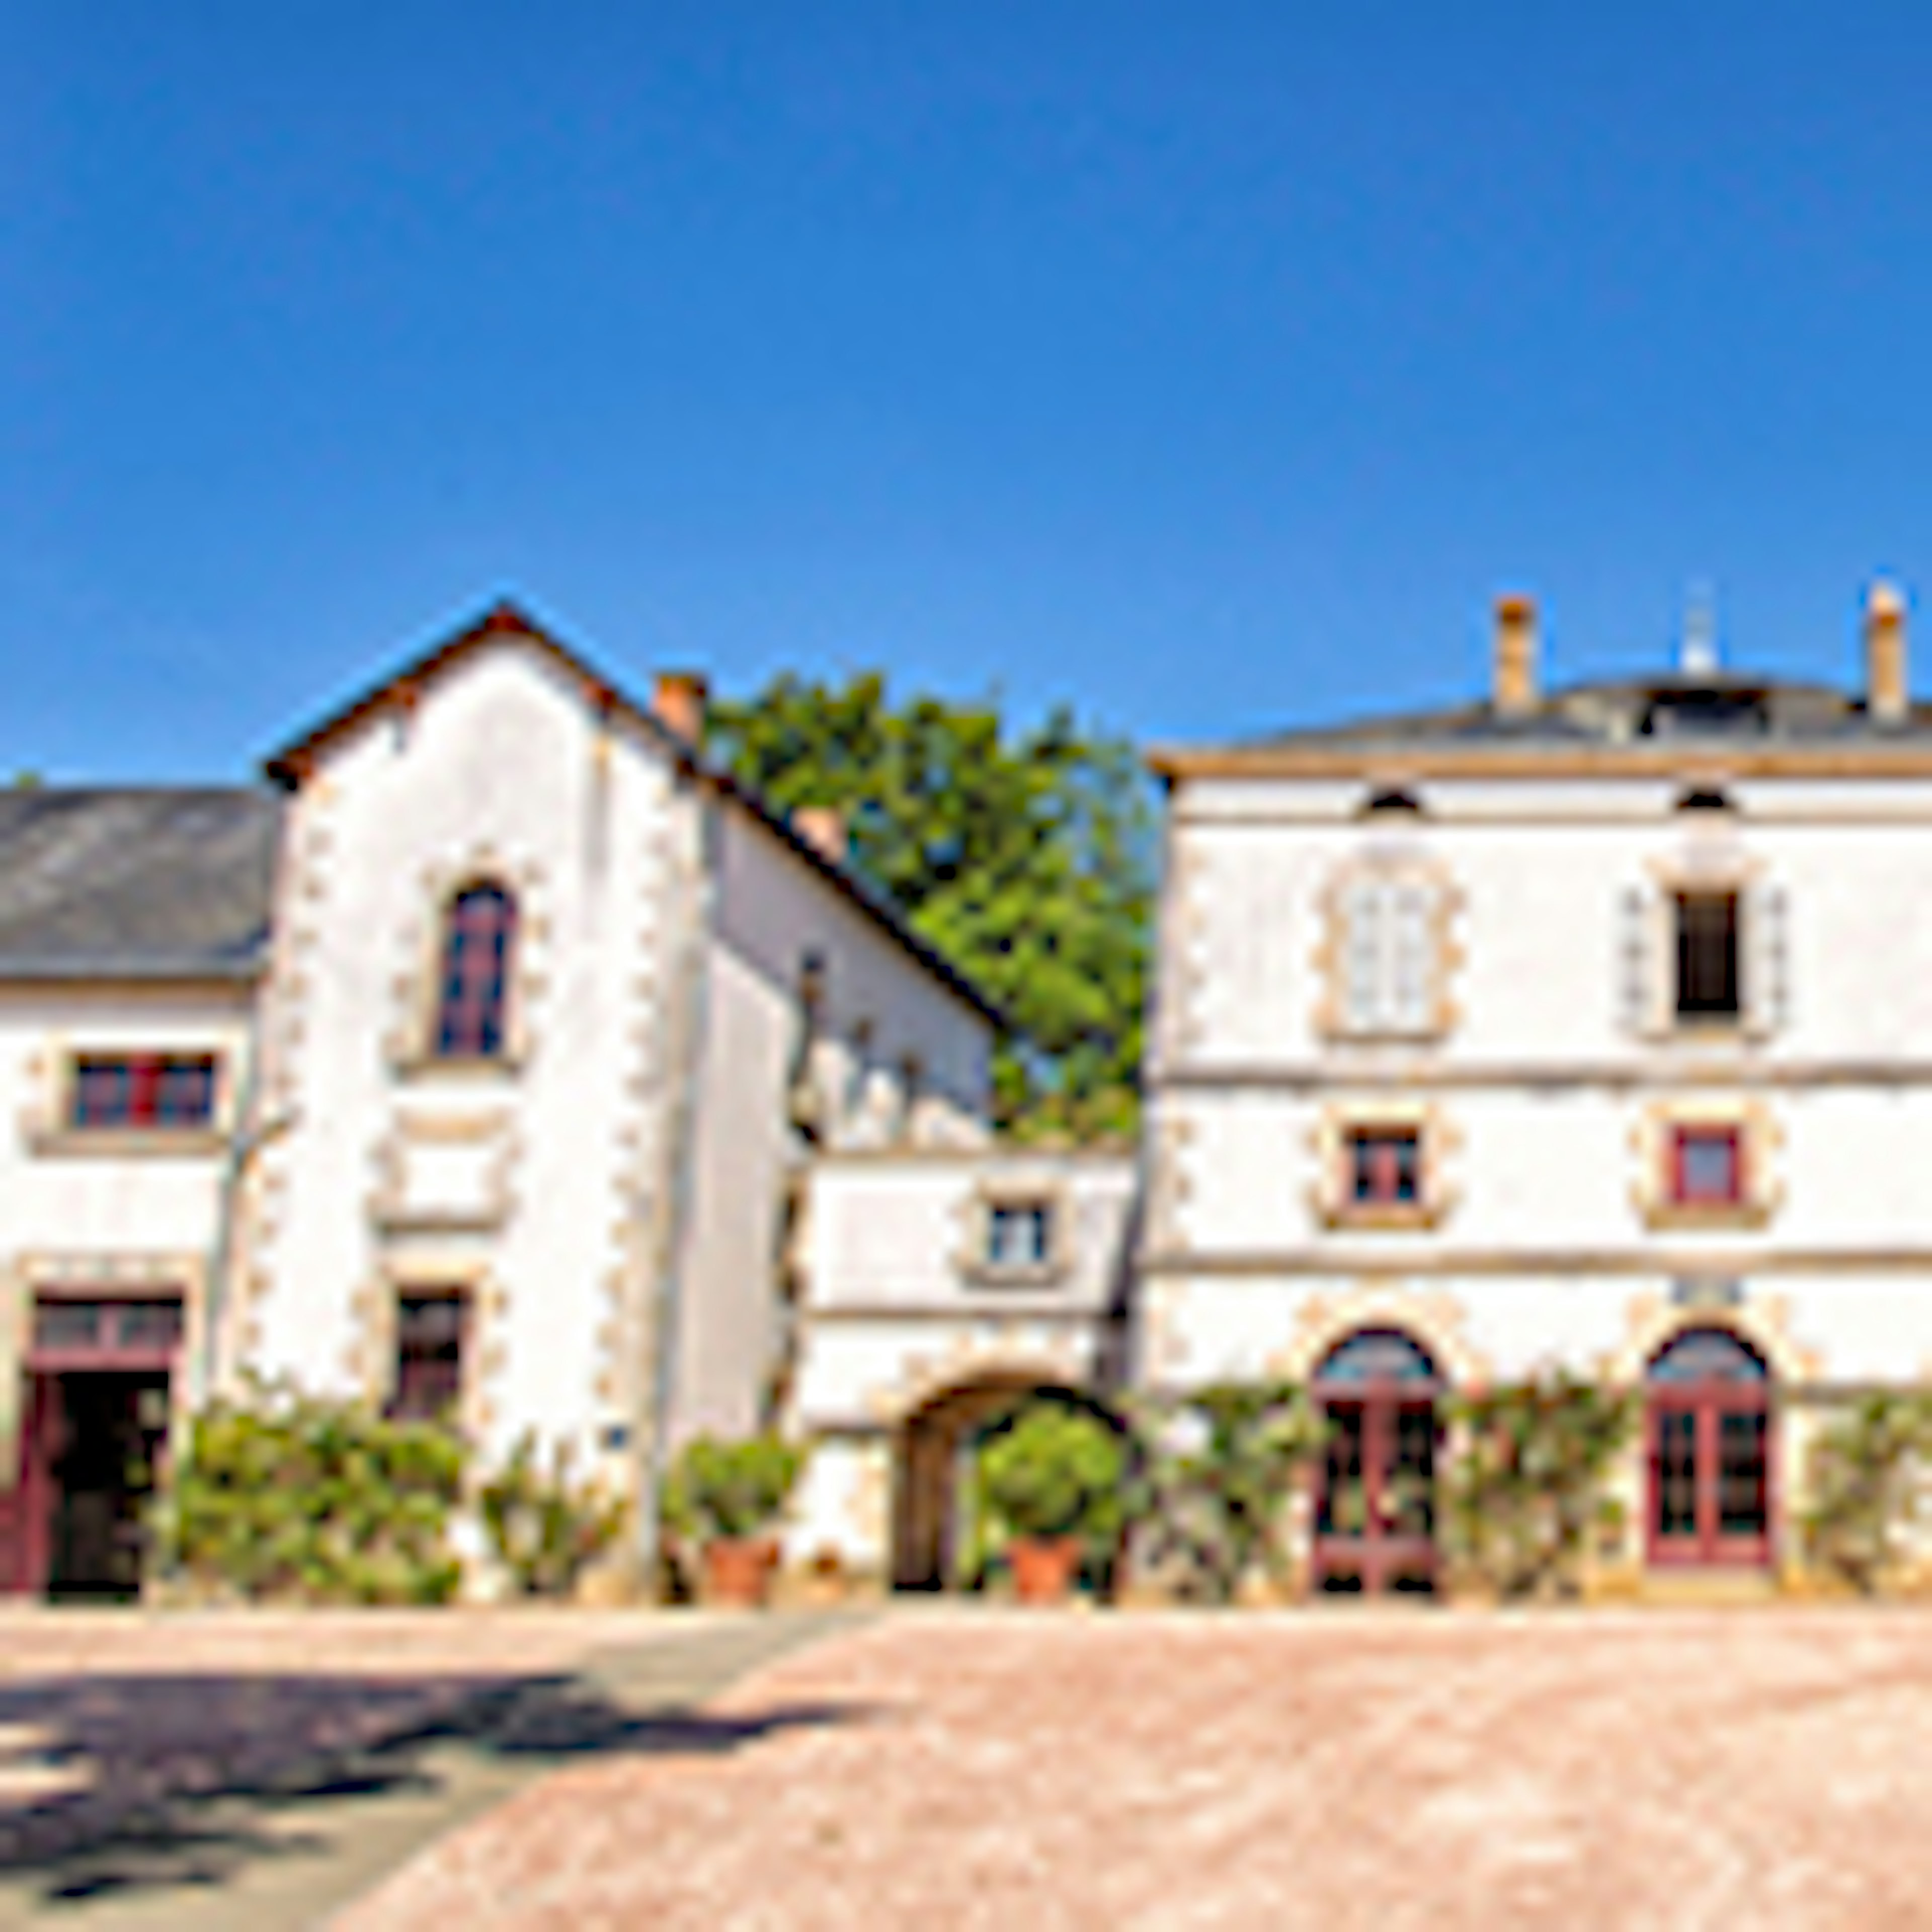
[
  {"x": 148, "y": 1325},
  {"x": 1677, "y": 1472},
  {"x": 1019, "y": 1234},
  {"x": 143, "y": 1090},
  {"x": 1708, "y": 981},
  {"x": 62, "y": 1323},
  {"x": 476, "y": 964},
  {"x": 1707, "y": 1354},
  {"x": 431, "y": 1328},
  {"x": 1709, "y": 1166},
  {"x": 1741, "y": 1486},
  {"x": 1385, "y": 1164}
]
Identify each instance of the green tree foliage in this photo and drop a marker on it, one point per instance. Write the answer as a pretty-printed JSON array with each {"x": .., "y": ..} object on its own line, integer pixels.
[
  {"x": 1218, "y": 1470},
  {"x": 545, "y": 1527},
  {"x": 1527, "y": 1484},
  {"x": 1027, "y": 860},
  {"x": 1056, "y": 1471},
  {"x": 728, "y": 1488},
  {"x": 1867, "y": 1470},
  {"x": 287, "y": 1497}
]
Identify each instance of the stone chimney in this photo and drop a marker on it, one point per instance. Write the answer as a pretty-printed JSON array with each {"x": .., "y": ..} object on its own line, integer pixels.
[
  {"x": 1515, "y": 691},
  {"x": 679, "y": 702},
  {"x": 1887, "y": 690},
  {"x": 823, "y": 828}
]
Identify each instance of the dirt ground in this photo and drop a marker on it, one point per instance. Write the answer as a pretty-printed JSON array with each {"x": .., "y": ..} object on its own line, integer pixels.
[{"x": 1763, "y": 1768}]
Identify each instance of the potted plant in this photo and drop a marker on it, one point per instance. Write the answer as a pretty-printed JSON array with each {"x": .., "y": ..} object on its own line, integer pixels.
[
  {"x": 727, "y": 1495},
  {"x": 1054, "y": 1476}
]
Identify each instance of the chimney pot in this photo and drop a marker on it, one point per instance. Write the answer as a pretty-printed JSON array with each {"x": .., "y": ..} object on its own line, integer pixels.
[
  {"x": 823, "y": 828},
  {"x": 1515, "y": 688},
  {"x": 679, "y": 701},
  {"x": 1887, "y": 692}
]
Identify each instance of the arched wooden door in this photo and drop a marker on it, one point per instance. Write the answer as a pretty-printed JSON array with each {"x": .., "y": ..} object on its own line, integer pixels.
[
  {"x": 1708, "y": 1429},
  {"x": 1375, "y": 1500}
]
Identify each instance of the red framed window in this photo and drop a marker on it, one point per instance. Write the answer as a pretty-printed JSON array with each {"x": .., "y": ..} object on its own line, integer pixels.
[
  {"x": 143, "y": 1090},
  {"x": 474, "y": 989},
  {"x": 1707, "y": 1167},
  {"x": 432, "y": 1327},
  {"x": 1384, "y": 1166}
]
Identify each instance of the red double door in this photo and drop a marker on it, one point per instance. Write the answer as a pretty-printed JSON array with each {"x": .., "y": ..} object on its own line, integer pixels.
[
  {"x": 1375, "y": 1509},
  {"x": 1710, "y": 1475}
]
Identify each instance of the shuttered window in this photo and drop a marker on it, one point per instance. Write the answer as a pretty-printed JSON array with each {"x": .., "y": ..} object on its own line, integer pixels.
[{"x": 1387, "y": 955}]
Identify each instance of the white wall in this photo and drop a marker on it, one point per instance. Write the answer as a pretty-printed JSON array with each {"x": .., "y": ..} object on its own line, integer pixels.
[
  {"x": 771, "y": 909},
  {"x": 501, "y": 768}
]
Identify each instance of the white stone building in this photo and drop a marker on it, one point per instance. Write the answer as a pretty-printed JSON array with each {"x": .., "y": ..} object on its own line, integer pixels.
[
  {"x": 1592, "y": 1029},
  {"x": 503, "y": 1051},
  {"x": 471, "y": 1060}
]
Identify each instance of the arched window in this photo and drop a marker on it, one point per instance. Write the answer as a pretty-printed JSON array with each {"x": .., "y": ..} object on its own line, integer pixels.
[{"x": 473, "y": 991}]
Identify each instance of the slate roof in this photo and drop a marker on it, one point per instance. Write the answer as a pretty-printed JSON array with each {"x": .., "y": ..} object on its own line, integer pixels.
[
  {"x": 1724, "y": 706},
  {"x": 139, "y": 883}
]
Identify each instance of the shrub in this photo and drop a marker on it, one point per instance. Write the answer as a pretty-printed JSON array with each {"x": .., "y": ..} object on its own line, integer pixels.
[
  {"x": 721, "y": 1489},
  {"x": 1056, "y": 1471},
  {"x": 289, "y": 1496},
  {"x": 1525, "y": 1485},
  {"x": 1215, "y": 1504},
  {"x": 545, "y": 1528},
  {"x": 1866, "y": 1471}
]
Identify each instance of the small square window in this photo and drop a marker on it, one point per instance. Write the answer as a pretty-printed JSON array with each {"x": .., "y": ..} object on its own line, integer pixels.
[
  {"x": 1384, "y": 1166},
  {"x": 1707, "y": 1167},
  {"x": 1019, "y": 1234}
]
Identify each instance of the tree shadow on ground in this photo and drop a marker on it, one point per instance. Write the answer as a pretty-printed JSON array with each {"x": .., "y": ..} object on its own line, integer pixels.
[{"x": 182, "y": 1781}]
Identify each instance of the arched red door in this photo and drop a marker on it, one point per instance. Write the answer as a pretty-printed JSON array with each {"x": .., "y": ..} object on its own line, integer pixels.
[
  {"x": 1707, "y": 1429},
  {"x": 1375, "y": 1500}
]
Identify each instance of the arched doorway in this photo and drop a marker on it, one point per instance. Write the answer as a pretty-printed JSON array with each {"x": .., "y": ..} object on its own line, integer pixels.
[
  {"x": 935, "y": 1543},
  {"x": 1708, "y": 1432},
  {"x": 1374, "y": 1502}
]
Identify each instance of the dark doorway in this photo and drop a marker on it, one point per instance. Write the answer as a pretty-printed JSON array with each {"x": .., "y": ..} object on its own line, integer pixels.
[
  {"x": 1375, "y": 1504},
  {"x": 106, "y": 1431},
  {"x": 99, "y": 1374}
]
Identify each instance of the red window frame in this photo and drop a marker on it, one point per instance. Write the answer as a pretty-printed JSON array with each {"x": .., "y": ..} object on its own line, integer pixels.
[
  {"x": 1683, "y": 1138},
  {"x": 473, "y": 992},
  {"x": 142, "y": 1090},
  {"x": 1384, "y": 1166}
]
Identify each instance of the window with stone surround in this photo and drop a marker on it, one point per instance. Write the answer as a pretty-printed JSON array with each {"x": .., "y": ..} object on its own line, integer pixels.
[
  {"x": 142, "y": 1092},
  {"x": 472, "y": 991},
  {"x": 1386, "y": 954},
  {"x": 432, "y": 1330}
]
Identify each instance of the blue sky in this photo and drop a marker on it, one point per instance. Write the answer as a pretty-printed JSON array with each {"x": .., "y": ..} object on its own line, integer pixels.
[{"x": 1209, "y": 366}]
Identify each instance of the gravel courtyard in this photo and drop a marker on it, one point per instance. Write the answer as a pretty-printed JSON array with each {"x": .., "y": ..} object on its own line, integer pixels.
[{"x": 1642, "y": 1769}]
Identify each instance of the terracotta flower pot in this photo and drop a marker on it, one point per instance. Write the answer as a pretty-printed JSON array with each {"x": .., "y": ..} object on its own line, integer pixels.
[
  {"x": 1043, "y": 1567},
  {"x": 738, "y": 1571}
]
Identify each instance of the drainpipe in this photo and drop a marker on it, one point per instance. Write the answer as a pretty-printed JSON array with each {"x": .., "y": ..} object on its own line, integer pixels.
[{"x": 691, "y": 997}]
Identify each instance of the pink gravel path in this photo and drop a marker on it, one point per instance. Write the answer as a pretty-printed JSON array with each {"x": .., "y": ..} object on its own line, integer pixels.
[{"x": 1762, "y": 1768}]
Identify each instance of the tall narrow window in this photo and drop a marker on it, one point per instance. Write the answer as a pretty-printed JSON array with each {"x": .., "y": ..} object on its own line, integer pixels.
[
  {"x": 1709, "y": 985},
  {"x": 1387, "y": 955},
  {"x": 432, "y": 1325},
  {"x": 474, "y": 989}
]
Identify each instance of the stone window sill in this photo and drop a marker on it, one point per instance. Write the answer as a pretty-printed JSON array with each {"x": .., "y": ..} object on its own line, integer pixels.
[{"x": 127, "y": 1143}]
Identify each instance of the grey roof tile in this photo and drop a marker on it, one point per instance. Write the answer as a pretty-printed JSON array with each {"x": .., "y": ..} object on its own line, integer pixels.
[{"x": 138, "y": 882}]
